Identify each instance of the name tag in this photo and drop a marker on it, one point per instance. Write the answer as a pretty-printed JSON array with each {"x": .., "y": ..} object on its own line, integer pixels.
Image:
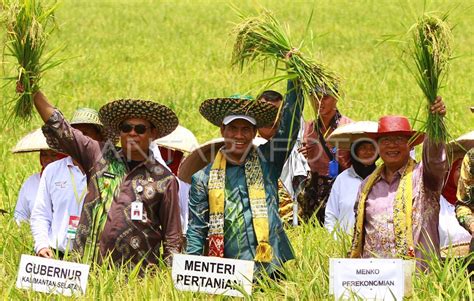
[
  {"x": 72, "y": 226},
  {"x": 136, "y": 211}
]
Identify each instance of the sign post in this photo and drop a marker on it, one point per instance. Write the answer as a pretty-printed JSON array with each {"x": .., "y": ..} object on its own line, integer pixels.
[
  {"x": 52, "y": 276},
  {"x": 379, "y": 279},
  {"x": 212, "y": 275}
]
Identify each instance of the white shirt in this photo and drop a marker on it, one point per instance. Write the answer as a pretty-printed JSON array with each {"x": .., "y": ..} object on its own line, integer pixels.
[
  {"x": 26, "y": 198},
  {"x": 340, "y": 207},
  {"x": 55, "y": 203},
  {"x": 183, "y": 203},
  {"x": 450, "y": 231}
]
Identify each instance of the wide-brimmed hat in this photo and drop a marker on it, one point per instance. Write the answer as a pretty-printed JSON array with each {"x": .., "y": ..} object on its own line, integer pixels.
[
  {"x": 215, "y": 109},
  {"x": 180, "y": 139},
  {"x": 33, "y": 142},
  {"x": 203, "y": 155},
  {"x": 346, "y": 134},
  {"x": 397, "y": 125},
  {"x": 114, "y": 113},
  {"x": 457, "y": 148},
  {"x": 86, "y": 116}
]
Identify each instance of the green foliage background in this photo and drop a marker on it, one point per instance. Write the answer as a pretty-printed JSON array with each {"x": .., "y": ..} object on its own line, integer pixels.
[{"x": 178, "y": 53}]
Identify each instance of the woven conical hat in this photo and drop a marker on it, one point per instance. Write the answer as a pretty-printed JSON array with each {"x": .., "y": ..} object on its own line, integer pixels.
[
  {"x": 215, "y": 109},
  {"x": 344, "y": 135},
  {"x": 33, "y": 142},
  {"x": 180, "y": 139},
  {"x": 114, "y": 113}
]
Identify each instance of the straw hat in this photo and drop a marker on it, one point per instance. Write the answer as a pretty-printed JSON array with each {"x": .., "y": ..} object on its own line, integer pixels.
[
  {"x": 33, "y": 142},
  {"x": 457, "y": 148},
  {"x": 180, "y": 139},
  {"x": 86, "y": 116},
  {"x": 455, "y": 250},
  {"x": 397, "y": 125},
  {"x": 114, "y": 113},
  {"x": 204, "y": 155},
  {"x": 345, "y": 135},
  {"x": 215, "y": 109}
]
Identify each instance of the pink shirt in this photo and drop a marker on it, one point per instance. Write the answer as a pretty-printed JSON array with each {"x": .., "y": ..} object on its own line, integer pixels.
[{"x": 379, "y": 236}]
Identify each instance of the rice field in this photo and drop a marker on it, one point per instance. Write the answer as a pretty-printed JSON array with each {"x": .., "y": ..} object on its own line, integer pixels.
[{"x": 179, "y": 53}]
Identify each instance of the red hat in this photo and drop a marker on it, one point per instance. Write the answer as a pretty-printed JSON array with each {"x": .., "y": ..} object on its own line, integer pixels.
[{"x": 398, "y": 125}]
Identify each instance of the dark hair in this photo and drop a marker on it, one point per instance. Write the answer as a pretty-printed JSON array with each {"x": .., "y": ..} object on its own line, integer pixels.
[{"x": 271, "y": 96}]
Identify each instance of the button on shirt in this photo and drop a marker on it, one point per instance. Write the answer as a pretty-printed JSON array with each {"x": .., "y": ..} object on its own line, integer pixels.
[
  {"x": 26, "y": 198},
  {"x": 55, "y": 203}
]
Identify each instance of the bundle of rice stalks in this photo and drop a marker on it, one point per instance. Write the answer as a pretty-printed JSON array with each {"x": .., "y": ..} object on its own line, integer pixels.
[
  {"x": 28, "y": 24},
  {"x": 263, "y": 39},
  {"x": 431, "y": 52}
]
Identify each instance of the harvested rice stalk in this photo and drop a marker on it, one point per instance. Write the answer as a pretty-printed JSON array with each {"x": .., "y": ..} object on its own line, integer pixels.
[
  {"x": 431, "y": 52},
  {"x": 263, "y": 39},
  {"x": 28, "y": 24}
]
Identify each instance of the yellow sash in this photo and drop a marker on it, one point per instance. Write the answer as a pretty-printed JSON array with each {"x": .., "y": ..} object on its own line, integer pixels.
[
  {"x": 258, "y": 205},
  {"x": 402, "y": 213}
]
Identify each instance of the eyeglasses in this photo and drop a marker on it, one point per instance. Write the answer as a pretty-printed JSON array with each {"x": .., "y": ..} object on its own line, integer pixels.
[
  {"x": 139, "y": 128},
  {"x": 397, "y": 140}
]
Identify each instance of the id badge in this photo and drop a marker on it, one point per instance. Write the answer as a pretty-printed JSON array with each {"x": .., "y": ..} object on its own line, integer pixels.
[
  {"x": 72, "y": 226},
  {"x": 333, "y": 169},
  {"x": 136, "y": 211}
]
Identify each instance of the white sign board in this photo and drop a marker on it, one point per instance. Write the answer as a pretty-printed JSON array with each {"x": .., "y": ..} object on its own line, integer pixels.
[
  {"x": 52, "y": 276},
  {"x": 212, "y": 275},
  {"x": 375, "y": 279}
]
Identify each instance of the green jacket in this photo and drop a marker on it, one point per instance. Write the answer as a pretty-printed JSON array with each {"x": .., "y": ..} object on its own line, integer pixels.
[{"x": 239, "y": 237}]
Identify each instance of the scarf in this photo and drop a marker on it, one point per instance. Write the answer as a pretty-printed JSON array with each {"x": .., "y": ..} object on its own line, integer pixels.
[
  {"x": 362, "y": 170},
  {"x": 451, "y": 186},
  {"x": 108, "y": 183},
  {"x": 255, "y": 186},
  {"x": 402, "y": 213}
]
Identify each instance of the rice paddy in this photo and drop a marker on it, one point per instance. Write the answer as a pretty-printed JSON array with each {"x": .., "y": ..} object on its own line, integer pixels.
[{"x": 179, "y": 53}]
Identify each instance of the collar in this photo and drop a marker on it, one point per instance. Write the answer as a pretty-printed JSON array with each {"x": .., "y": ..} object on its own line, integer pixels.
[
  {"x": 398, "y": 173},
  {"x": 352, "y": 173},
  {"x": 69, "y": 162}
]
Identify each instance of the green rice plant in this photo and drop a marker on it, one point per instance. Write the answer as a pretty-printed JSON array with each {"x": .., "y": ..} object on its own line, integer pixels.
[
  {"x": 264, "y": 39},
  {"x": 29, "y": 25},
  {"x": 431, "y": 52}
]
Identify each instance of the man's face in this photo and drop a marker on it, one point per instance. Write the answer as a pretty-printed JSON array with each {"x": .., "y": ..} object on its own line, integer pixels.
[
  {"x": 326, "y": 106},
  {"x": 269, "y": 131},
  {"x": 47, "y": 156},
  {"x": 394, "y": 150},
  {"x": 238, "y": 136},
  {"x": 136, "y": 134},
  {"x": 366, "y": 153},
  {"x": 89, "y": 130}
]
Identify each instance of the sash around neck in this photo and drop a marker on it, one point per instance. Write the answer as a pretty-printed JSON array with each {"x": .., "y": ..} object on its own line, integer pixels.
[{"x": 257, "y": 196}]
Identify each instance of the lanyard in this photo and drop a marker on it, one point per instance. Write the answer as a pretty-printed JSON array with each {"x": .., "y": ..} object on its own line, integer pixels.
[{"x": 73, "y": 183}]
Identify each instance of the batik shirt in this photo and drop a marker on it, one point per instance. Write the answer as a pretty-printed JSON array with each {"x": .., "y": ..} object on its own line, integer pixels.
[
  {"x": 465, "y": 194},
  {"x": 428, "y": 176},
  {"x": 239, "y": 237},
  {"x": 124, "y": 239}
]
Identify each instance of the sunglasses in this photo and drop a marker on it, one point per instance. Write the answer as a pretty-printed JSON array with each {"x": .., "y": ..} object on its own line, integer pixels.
[{"x": 139, "y": 128}]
